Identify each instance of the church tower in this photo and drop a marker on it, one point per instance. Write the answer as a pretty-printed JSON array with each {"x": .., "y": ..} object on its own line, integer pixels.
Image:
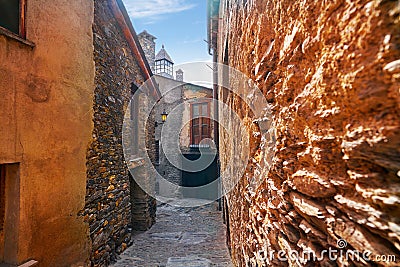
[{"x": 164, "y": 64}]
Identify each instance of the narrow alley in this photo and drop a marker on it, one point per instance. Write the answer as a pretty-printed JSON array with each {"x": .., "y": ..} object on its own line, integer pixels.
[
  {"x": 181, "y": 237},
  {"x": 211, "y": 133}
]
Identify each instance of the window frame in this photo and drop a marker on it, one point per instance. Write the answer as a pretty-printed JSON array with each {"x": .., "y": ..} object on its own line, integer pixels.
[
  {"x": 134, "y": 116},
  {"x": 203, "y": 120},
  {"x": 164, "y": 66},
  {"x": 21, "y": 24},
  {"x": 157, "y": 154}
]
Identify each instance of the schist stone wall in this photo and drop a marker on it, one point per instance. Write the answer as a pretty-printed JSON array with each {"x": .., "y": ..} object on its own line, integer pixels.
[
  {"x": 331, "y": 72},
  {"x": 115, "y": 205}
]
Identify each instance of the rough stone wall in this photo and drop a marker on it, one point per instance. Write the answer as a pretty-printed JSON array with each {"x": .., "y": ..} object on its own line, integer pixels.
[
  {"x": 331, "y": 72},
  {"x": 109, "y": 206},
  {"x": 46, "y": 124},
  {"x": 143, "y": 206}
]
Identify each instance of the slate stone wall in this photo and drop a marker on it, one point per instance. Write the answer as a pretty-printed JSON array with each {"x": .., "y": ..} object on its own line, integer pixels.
[{"x": 110, "y": 202}]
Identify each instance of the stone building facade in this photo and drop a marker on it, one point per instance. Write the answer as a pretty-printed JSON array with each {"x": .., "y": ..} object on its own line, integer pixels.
[
  {"x": 46, "y": 83},
  {"x": 330, "y": 72},
  {"x": 177, "y": 99},
  {"x": 115, "y": 204}
]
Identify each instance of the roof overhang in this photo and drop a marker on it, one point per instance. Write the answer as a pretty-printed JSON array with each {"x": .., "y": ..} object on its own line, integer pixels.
[{"x": 121, "y": 15}]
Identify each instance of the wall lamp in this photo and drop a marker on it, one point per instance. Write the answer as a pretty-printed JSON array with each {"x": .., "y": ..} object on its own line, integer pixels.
[{"x": 163, "y": 118}]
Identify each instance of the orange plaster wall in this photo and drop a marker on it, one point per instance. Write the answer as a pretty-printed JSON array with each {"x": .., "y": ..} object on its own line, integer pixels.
[{"x": 46, "y": 116}]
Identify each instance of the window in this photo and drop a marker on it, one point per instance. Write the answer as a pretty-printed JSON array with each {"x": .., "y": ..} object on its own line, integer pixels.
[
  {"x": 164, "y": 66},
  {"x": 134, "y": 119},
  {"x": 157, "y": 156},
  {"x": 200, "y": 123},
  {"x": 12, "y": 16}
]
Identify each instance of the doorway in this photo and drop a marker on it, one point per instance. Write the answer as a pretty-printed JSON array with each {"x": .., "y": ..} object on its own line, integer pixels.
[{"x": 9, "y": 212}]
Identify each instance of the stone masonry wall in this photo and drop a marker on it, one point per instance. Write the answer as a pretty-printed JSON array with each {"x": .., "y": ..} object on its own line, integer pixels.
[
  {"x": 331, "y": 72},
  {"x": 109, "y": 205},
  {"x": 143, "y": 206}
]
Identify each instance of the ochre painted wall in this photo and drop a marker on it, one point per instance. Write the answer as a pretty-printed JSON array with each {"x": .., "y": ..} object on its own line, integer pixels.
[
  {"x": 46, "y": 115},
  {"x": 330, "y": 71}
]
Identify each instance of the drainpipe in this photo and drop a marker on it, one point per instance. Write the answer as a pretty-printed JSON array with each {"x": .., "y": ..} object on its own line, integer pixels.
[
  {"x": 216, "y": 120},
  {"x": 212, "y": 28},
  {"x": 215, "y": 96}
]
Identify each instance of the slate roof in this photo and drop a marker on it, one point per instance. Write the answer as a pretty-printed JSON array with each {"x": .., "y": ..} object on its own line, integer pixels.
[{"x": 163, "y": 55}]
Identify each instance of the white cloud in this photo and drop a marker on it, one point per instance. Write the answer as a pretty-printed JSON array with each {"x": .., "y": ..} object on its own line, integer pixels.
[
  {"x": 194, "y": 41},
  {"x": 153, "y": 8},
  {"x": 197, "y": 72}
]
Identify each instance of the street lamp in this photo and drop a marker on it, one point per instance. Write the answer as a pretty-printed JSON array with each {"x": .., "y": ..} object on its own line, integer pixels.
[{"x": 164, "y": 116}]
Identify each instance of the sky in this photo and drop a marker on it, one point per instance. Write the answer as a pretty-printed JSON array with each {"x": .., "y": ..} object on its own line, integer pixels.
[{"x": 181, "y": 25}]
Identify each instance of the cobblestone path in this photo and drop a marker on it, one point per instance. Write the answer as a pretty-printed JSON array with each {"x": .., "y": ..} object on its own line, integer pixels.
[{"x": 181, "y": 237}]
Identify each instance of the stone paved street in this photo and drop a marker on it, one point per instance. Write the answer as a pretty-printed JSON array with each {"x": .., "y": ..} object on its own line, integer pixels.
[{"x": 181, "y": 237}]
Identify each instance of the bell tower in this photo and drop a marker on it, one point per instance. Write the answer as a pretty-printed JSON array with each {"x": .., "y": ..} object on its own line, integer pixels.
[{"x": 164, "y": 64}]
